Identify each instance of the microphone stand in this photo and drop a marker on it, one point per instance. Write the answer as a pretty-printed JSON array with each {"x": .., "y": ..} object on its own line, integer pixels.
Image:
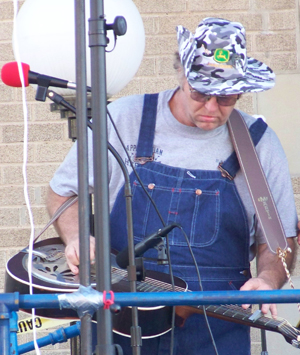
[
  {"x": 82, "y": 166},
  {"x": 136, "y": 336},
  {"x": 82, "y": 160},
  {"x": 97, "y": 44}
]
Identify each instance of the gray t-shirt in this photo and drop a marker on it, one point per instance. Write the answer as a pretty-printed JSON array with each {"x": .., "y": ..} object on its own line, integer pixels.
[{"x": 178, "y": 145}]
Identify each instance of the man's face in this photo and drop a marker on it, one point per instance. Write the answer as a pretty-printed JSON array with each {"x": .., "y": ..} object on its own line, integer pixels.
[{"x": 206, "y": 115}]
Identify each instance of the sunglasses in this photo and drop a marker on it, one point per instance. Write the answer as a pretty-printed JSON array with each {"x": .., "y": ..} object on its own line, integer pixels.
[{"x": 222, "y": 100}]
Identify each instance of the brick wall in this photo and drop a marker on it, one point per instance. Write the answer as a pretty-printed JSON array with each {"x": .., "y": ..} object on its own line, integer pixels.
[{"x": 272, "y": 35}]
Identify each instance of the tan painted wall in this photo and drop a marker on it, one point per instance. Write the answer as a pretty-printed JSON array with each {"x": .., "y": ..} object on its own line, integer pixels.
[
  {"x": 272, "y": 36},
  {"x": 282, "y": 112}
]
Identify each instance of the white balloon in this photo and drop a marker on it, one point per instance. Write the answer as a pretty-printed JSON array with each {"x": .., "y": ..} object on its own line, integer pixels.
[{"x": 46, "y": 41}]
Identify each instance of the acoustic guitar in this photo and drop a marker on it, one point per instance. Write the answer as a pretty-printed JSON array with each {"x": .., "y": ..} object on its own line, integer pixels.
[{"x": 51, "y": 274}]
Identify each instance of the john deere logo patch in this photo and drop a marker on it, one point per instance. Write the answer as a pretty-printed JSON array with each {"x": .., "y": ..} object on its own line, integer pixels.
[{"x": 221, "y": 55}]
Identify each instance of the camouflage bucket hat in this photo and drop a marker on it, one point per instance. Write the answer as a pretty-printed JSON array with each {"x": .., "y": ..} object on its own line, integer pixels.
[{"x": 215, "y": 59}]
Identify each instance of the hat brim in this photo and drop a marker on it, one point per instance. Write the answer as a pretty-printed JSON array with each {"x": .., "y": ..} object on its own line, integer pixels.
[{"x": 258, "y": 77}]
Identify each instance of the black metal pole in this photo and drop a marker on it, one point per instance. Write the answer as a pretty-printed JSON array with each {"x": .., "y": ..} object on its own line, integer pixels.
[
  {"x": 264, "y": 350},
  {"x": 97, "y": 43},
  {"x": 82, "y": 159}
]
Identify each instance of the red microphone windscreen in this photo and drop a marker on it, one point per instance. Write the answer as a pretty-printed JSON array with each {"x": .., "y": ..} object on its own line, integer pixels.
[{"x": 10, "y": 74}]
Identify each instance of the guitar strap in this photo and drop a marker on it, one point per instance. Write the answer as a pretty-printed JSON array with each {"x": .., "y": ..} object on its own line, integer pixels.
[
  {"x": 260, "y": 193},
  {"x": 57, "y": 213}
]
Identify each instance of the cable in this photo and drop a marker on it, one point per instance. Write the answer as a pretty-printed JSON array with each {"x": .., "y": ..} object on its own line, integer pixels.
[
  {"x": 24, "y": 167},
  {"x": 160, "y": 217},
  {"x": 201, "y": 289},
  {"x": 134, "y": 170},
  {"x": 53, "y": 96}
]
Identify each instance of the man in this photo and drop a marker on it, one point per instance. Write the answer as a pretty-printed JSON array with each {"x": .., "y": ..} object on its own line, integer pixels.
[{"x": 186, "y": 130}]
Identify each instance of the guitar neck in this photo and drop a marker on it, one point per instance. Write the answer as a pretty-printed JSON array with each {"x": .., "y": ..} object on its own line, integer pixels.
[
  {"x": 234, "y": 313},
  {"x": 237, "y": 314}
]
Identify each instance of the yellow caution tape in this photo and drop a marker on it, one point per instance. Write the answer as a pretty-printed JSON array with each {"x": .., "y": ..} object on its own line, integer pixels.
[{"x": 41, "y": 323}]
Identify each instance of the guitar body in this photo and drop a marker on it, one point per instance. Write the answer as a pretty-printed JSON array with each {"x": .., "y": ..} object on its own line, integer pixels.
[{"x": 51, "y": 274}]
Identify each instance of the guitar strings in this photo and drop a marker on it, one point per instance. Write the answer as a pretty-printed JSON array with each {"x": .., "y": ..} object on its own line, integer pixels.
[
  {"x": 236, "y": 312},
  {"x": 153, "y": 285},
  {"x": 233, "y": 311},
  {"x": 279, "y": 324}
]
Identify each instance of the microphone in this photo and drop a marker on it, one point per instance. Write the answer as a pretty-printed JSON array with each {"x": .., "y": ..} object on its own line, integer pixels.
[
  {"x": 140, "y": 248},
  {"x": 11, "y": 77}
]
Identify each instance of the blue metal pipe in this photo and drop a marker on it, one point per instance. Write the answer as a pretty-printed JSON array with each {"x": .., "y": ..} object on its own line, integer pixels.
[
  {"x": 8, "y": 304},
  {"x": 151, "y": 300},
  {"x": 11, "y": 300},
  {"x": 177, "y": 298},
  {"x": 13, "y": 333},
  {"x": 4, "y": 329},
  {"x": 48, "y": 301},
  {"x": 207, "y": 298},
  {"x": 61, "y": 335}
]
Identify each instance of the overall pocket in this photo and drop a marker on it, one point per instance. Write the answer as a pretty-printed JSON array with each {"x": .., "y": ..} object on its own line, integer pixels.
[{"x": 188, "y": 207}]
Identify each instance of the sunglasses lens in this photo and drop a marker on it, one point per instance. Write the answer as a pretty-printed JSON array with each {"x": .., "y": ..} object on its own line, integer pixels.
[
  {"x": 229, "y": 100},
  {"x": 226, "y": 100},
  {"x": 197, "y": 96}
]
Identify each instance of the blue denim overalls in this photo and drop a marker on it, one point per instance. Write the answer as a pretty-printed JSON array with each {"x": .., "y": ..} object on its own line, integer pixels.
[{"x": 208, "y": 207}]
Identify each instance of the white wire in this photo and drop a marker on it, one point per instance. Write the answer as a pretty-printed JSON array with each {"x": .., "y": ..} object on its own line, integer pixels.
[{"x": 24, "y": 168}]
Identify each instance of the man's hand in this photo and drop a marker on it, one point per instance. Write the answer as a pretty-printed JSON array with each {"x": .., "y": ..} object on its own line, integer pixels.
[
  {"x": 72, "y": 254},
  {"x": 271, "y": 274},
  {"x": 257, "y": 283},
  {"x": 67, "y": 228}
]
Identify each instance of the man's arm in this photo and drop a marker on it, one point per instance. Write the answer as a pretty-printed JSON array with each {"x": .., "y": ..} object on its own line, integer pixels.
[
  {"x": 67, "y": 228},
  {"x": 271, "y": 274},
  {"x": 298, "y": 236}
]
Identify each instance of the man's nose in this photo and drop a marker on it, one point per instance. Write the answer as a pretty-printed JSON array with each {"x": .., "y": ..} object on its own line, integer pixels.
[{"x": 212, "y": 103}]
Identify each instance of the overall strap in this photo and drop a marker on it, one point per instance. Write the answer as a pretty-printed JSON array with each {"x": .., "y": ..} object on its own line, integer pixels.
[
  {"x": 231, "y": 166},
  {"x": 144, "y": 151}
]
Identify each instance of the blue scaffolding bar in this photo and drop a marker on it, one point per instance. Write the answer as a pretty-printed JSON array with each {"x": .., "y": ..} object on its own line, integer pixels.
[{"x": 11, "y": 303}]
